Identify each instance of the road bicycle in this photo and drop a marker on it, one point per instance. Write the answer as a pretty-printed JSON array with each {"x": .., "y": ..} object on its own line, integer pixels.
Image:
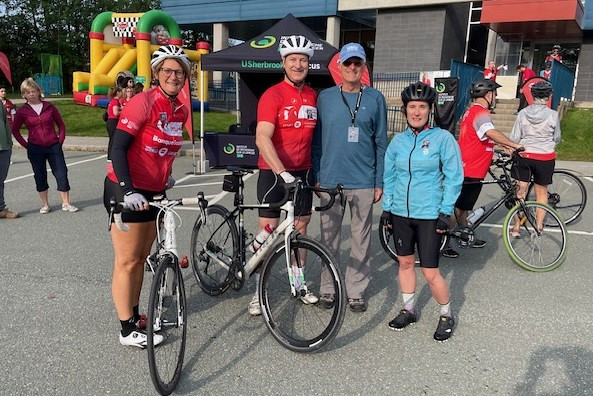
[
  {"x": 287, "y": 259},
  {"x": 535, "y": 248},
  {"x": 167, "y": 313}
]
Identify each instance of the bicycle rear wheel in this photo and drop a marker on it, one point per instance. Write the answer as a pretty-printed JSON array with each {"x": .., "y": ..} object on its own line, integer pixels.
[
  {"x": 298, "y": 326},
  {"x": 567, "y": 195},
  {"x": 386, "y": 239},
  {"x": 214, "y": 241},
  {"x": 534, "y": 250},
  {"x": 167, "y": 316}
]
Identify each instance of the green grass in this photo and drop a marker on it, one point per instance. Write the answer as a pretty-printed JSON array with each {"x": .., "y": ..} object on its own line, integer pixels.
[
  {"x": 86, "y": 121},
  {"x": 577, "y": 136}
]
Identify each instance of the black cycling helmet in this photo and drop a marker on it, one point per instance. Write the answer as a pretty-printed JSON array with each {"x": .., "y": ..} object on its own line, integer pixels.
[
  {"x": 480, "y": 88},
  {"x": 542, "y": 90},
  {"x": 419, "y": 91}
]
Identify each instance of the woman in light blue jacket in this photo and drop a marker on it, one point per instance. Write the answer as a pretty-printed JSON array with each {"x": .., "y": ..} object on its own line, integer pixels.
[{"x": 422, "y": 180}]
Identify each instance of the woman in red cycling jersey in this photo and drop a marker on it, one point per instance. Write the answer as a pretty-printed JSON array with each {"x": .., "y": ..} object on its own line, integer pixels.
[{"x": 145, "y": 143}]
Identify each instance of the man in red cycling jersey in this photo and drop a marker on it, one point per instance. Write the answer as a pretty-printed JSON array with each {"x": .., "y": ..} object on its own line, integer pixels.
[
  {"x": 145, "y": 143},
  {"x": 286, "y": 117},
  {"x": 477, "y": 139}
]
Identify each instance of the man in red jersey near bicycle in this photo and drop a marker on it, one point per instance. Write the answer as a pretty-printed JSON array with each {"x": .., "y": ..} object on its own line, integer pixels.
[
  {"x": 286, "y": 117},
  {"x": 477, "y": 139},
  {"x": 145, "y": 143}
]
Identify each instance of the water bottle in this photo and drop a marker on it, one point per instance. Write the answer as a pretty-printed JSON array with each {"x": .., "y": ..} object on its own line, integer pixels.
[
  {"x": 261, "y": 237},
  {"x": 475, "y": 215}
]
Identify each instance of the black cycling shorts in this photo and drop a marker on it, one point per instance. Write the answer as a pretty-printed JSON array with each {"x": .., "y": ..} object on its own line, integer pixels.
[
  {"x": 411, "y": 233},
  {"x": 113, "y": 190},
  {"x": 470, "y": 191},
  {"x": 542, "y": 171},
  {"x": 270, "y": 189}
]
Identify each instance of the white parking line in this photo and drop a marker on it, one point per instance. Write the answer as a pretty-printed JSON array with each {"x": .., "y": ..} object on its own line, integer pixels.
[
  {"x": 588, "y": 178},
  {"x": 49, "y": 169},
  {"x": 550, "y": 229}
]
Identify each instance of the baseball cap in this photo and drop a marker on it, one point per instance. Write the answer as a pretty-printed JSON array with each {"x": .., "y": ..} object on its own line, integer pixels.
[{"x": 352, "y": 50}]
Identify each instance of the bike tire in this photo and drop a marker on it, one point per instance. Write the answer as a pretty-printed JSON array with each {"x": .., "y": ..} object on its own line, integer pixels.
[
  {"x": 295, "y": 325},
  {"x": 215, "y": 234},
  {"x": 567, "y": 195},
  {"x": 534, "y": 251},
  {"x": 386, "y": 240},
  {"x": 167, "y": 316}
]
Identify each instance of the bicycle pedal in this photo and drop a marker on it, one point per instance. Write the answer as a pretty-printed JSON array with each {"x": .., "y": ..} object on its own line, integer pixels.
[{"x": 184, "y": 262}]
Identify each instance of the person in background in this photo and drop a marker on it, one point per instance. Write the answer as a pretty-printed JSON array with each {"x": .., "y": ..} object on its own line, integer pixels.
[
  {"x": 525, "y": 74},
  {"x": 128, "y": 93},
  {"x": 547, "y": 72},
  {"x": 146, "y": 141},
  {"x": 537, "y": 128},
  {"x": 422, "y": 179},
  {"x": 286, "y": 116},
  {"x": 5, "y": 153},
  {"x": 113, "y": 110},
  {"x": 8, "y": 105},
  {"x": 349, "y": 148},
  {"x": 138, "y": 87},
  {"x": 490, "y": 73},
  {"x": 43, "y": 144},
  {"x": 555, "y": 55}
]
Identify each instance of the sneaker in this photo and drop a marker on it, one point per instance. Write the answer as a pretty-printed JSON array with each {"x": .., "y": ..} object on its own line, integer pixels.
[
  {"x": 444, "y": 328},
  {"x": 307, "y": 297},
  {"x": 138, "y": 339},
  {"x": 478, "y": 243},
  {"x": 449, "y": 252},
  {"x": 357, "y": 304},
  {"x": 8, "y": 214},
  {"x": 327, "y": 300},
  {"x": 254, "y": 308},
  {"x": 403, "y": 319},
  {"x": 69, "y": 208},
  {"x": 492, "y": 112},
  {"x": 44, "y": 209}
]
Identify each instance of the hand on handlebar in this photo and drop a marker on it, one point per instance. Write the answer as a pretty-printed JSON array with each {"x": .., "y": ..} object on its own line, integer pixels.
[
  {"x": 443, "y": 223},
  {"x": 386, "y": 219},
  {"x": 136, "y": 201},
  {"x": 287, "y": 177}
]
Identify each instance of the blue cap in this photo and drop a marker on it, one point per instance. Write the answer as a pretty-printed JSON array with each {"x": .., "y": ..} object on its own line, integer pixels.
[{"x": 352, "y": 50}]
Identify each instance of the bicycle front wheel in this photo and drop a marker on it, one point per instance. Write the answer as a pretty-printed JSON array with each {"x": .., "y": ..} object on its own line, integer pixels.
[
  {"x": 167, "y": 317},
  {"x": 294, "y": 323},
  {"x": 215, "y": 242},
  {"x": 535, "y": 248}
]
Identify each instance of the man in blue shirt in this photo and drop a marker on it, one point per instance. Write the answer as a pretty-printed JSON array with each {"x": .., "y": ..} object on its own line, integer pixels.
[{"x": 349, "y": 144}]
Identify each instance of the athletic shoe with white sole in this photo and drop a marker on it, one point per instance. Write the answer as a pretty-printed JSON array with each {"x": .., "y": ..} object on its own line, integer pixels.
[
  {"x": 254, "y": 308},
  {"x": 444, "y": 328},
  {"x": 138, "y": 339},
  {"x": 307, "y": 297}
]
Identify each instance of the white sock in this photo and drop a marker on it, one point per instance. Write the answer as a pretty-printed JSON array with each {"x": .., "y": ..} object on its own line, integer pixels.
[
  {"x": 409, "y": 301},
  {"x": 446, "y": 309}
]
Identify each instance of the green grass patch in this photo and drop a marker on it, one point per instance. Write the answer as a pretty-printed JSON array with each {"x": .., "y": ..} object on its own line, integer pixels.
[
  {"x": 87, "y": 121},
  {"x": 577, "y": 136}
]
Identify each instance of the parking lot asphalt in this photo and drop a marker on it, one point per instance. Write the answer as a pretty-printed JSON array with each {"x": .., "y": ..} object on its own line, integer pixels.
[{"x": 518, "y": 333}]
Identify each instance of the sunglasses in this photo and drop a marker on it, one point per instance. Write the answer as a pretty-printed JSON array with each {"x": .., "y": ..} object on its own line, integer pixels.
[{"x": 349, "y": 62}]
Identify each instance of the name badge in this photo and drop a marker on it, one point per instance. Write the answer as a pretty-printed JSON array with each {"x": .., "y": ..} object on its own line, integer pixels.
[{"x": 353, "y": 134}]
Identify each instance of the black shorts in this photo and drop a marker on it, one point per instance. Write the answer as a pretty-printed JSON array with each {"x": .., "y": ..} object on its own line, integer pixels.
[
  {"x": 470, "y": 191},
  {"x": 270, "y": 189},
  {"x": 542, "y": 171},
  {"x": 113, "y": 190},
  {"x": 410, "y": 233}
]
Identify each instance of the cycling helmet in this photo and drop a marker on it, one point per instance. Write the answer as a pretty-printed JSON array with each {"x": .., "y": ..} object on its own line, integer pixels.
[
  {"x": 557, "y": 47},
  {"x": 419, "y": 91},
  {"x": 296, "y": 45},
  {"x": 170, "y": 52},
  {"x": 480, "y": 88},
  {"x": 541, "y": 89}
]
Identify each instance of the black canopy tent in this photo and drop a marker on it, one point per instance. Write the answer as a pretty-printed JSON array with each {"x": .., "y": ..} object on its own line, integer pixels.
[{"x": 260, "y": 66}]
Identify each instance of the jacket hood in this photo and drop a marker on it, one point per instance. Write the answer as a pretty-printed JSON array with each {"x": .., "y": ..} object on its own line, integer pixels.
[{"x": 536, "y": 114}]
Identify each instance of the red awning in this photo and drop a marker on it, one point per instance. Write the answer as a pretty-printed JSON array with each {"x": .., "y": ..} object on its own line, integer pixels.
[{"x": 535, "y": 19}]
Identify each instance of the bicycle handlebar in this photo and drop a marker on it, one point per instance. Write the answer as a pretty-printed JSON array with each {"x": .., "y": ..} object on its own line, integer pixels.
[
  {"x": 339, "y": 189},
  {"x": 290, "y": 189}
]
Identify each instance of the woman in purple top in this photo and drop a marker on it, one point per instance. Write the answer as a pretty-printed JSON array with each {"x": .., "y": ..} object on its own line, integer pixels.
[{"x": 43, "y": 144}]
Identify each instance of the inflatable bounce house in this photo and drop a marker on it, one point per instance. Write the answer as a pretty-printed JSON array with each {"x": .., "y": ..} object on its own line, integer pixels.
[{"x": 124, "y": 43}]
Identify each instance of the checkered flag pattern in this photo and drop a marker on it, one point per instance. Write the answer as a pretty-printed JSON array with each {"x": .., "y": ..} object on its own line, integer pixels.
[{"x": 124, "y": 26}]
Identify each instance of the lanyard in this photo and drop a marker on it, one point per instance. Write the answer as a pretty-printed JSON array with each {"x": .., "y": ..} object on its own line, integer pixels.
[{"x": 352, "y": 113}]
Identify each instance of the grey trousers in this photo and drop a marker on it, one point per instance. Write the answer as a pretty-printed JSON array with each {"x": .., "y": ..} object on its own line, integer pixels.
[
  {"x": 360, "y": 202},
  {"x": 4, "y": 165}
]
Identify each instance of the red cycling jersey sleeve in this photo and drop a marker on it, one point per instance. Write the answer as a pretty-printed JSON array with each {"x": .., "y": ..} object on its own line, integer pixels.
[
  {"x": 157, "y": 126},
  {"x": 476, "y": 148},
  {"x": 294, "y": 115}
]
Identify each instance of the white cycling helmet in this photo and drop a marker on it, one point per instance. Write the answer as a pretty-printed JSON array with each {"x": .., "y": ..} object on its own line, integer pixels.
[
  {"x": 170, "y": 52},
  {"x": 296, "y": 45}
]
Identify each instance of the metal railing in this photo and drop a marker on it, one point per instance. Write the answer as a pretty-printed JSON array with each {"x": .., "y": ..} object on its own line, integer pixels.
[{"x": 222, "y": 95}]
